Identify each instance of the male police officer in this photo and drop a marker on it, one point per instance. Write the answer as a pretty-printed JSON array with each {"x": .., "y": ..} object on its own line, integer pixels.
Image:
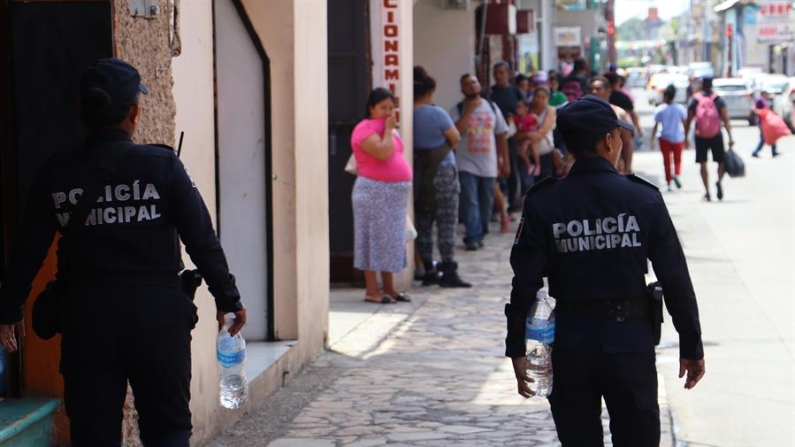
[
  {"x": 591, "y": 234},
  {"x": 125, "y": 316}
]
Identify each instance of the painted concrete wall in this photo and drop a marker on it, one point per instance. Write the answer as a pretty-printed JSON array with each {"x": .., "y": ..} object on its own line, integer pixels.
[
  {"x": 140, "y": 42},
  {"x": 444, "y": 43},
  {"x": 193, "y": 94},
  {"x": 293, "y": 35}
]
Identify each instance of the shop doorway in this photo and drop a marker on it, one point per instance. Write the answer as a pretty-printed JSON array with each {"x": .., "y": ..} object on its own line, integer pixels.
[
  {"x": 44, "y": 47},
  {"x": 349, "y": 84}
]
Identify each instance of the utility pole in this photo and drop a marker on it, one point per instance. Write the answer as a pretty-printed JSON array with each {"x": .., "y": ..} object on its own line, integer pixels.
[{"x": 705, "y": 33}]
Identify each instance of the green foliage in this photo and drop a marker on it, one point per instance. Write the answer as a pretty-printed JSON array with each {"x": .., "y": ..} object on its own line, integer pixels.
[{"x": 628, "y": 62}]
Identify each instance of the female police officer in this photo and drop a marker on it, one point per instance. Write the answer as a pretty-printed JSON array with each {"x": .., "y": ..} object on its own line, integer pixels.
[
  {"x": 125, "y": 316},
  {"x": 591, "y": 235}
]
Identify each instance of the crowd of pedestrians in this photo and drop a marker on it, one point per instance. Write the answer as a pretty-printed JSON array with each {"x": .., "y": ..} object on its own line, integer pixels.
[{"x": 473, "y": 163}]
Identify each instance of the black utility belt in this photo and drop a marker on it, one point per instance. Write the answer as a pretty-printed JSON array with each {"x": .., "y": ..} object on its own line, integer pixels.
[
  {"x": 131, "y": 279},
  {"x": 635, "y": 309}
]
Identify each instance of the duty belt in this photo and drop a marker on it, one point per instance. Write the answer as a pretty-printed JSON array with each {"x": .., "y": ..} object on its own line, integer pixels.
[{"x": 621, "y": 310}]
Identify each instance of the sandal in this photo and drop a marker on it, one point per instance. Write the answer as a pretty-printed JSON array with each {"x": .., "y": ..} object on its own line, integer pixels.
[
  {"x": 386, "y": 299},
  {"x": 402, "y": 297}
]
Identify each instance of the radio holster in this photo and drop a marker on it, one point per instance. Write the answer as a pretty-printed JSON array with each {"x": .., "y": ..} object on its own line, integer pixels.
[{"x": 655, "y": 292}]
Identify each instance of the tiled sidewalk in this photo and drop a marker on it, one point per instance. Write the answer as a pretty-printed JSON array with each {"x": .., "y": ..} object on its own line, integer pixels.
[{"x": 428, "y": 373}]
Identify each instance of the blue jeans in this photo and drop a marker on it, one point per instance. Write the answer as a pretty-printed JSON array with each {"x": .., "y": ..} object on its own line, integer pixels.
[
  {"x": 762, "y": 144},
  {"x": 477, "y": 202}
]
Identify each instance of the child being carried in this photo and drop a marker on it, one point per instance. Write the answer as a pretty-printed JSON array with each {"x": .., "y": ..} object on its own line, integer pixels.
[{"x": 527, "y": 122}]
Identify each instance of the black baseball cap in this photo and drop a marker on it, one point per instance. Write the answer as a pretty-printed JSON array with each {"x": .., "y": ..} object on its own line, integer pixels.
[
  {"x": 590, "y": 114},
  {"x": 117, "y": 78}
]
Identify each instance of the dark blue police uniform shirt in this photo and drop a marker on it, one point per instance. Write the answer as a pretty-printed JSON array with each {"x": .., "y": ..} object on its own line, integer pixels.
[
  {"x": 132, "y": 232},
  {"x": 591, "y": 235}
]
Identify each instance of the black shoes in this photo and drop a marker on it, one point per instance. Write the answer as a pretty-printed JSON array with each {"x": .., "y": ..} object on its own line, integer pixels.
[
  {"x": 720, "y": 190},
  {"x": 450, "y": 276},
  {"x": 431, "y": 278}
]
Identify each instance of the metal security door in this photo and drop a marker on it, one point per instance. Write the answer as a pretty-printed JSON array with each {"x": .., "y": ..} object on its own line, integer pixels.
[{"x": 349, "y": 84}]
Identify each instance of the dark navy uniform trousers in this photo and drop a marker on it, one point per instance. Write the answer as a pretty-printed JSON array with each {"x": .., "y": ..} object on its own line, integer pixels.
[{"x": 115, "y": 332}]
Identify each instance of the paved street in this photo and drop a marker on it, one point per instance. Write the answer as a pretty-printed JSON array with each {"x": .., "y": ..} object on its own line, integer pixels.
[
  {"x": 431, "y": 373},
  {"x": 740, "y": 254}
]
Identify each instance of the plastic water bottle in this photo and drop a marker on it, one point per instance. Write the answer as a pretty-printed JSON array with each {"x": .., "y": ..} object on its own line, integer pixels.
[
  {"x": 540, "y": 334},
  {"x": 231, "y": 353}
]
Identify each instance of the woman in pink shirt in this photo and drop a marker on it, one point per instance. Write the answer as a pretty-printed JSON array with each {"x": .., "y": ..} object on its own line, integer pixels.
[{"x": 380, "y": 198}]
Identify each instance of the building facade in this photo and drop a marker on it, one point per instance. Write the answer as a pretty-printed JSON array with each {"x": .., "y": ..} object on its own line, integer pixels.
[{"x": 245, "y": 80}]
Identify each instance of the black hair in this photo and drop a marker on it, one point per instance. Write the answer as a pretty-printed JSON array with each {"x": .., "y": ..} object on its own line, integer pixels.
[
  {"x": 578, "y": 141},
  {"x": 612, "y": 78},
  {"x": 501, "y": 64},
  {"x": 670, "y": 92},
  {"x": 601, "y": 79},
  {"x": 524, "y": 102},
  {"x": 519, "y": 78},
  {"x": 423, "y": 83},
  {"x": 579, "y": 64},
  {"x": 376, "y": 96},
  {"x": 706, "y": 83},
  {"x": 463, "y": 77},
  {"x": 97, "y": 108}
]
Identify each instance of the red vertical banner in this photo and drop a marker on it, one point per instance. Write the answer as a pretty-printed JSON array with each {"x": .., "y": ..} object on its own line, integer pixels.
[{"x": 385, "y": 36}]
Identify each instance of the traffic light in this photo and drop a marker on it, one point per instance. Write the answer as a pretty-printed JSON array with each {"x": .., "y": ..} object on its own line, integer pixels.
[
  {"x": 611, "y": 29},
  {"x": 729, "y": 30}
]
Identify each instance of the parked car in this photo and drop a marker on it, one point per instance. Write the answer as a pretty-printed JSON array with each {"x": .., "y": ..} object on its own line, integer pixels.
[
  {"x": 700, "y": 70},
  {"x": 784, "y": 105},
  {"x": 775, "y": 84},
  {"x": 738, "y": 96},
  {"x": 636, "y": 77},
  {"x": 660, "y": 81}
]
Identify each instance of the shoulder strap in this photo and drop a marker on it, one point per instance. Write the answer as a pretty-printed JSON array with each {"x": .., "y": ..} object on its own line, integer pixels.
[
  {"x": 638, "y": 179},
  {"x": 104, "y": 171},
  {"x": 548, "y": 181},
  {"x": 493, "y": 107},
  {"x": 460, "y": 107}
]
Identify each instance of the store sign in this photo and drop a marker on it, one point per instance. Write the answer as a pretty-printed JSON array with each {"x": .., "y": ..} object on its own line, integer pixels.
[
  {"x": 386, "y": 34},
  {"x": 775, "y": 23},
  {"x": 568, "y": 36}
]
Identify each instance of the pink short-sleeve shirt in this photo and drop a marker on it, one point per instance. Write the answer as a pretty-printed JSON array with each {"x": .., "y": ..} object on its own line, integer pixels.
[{"x": 393, "y": 169}]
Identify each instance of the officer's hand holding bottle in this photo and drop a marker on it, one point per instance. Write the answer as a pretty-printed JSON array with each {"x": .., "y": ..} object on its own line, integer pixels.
[
  {"x": 522, "y": 378},
  {"x": 240, "y": 320}
]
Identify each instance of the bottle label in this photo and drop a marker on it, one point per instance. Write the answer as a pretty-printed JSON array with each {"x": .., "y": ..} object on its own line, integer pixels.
[
  {"x": 541, "y": 330},
  {"x": 229, "y": 359}
]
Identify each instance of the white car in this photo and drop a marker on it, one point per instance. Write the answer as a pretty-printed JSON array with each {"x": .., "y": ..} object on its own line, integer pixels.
[
  {"x": 660, "y": 81},
  {"x": 738, "y": 96},
  {"x": 784, "y": 105}
]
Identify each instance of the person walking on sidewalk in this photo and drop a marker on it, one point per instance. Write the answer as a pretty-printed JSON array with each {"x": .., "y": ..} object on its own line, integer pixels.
[
  {"x": 708, "y": 110},
  {"x": 380, "y": 198},
  {"x": 122, "y": 312},
  {"x": 763, "y": 104},
  {"x": 591, "y": 233},
  {"x": 671, "y": 116},
  {"x": 481, "y": 156},
  {"x": 507, "y": 97},
  {"x": 436, "y": 180}
]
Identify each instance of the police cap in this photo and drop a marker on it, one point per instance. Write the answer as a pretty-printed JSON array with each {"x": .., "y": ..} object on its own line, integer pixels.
[
  {"x": 591, "y": 115},
  {"x": 117, "y": 78}
]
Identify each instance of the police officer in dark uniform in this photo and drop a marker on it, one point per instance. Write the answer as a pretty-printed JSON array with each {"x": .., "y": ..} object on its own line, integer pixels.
[
  {"x": 125, "y": 315},
  {"x": 591, "y": 235}
]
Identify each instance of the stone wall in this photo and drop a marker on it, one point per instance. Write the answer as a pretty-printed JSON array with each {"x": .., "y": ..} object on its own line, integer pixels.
[{"x": 146, "y": 44}]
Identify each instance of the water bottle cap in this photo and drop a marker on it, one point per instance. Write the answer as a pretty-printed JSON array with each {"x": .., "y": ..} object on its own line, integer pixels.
[{"x": 541, "y": 294}]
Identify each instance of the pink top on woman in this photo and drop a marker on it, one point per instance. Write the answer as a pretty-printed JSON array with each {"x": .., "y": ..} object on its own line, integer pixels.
[{"x": 393, "y": 169}]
